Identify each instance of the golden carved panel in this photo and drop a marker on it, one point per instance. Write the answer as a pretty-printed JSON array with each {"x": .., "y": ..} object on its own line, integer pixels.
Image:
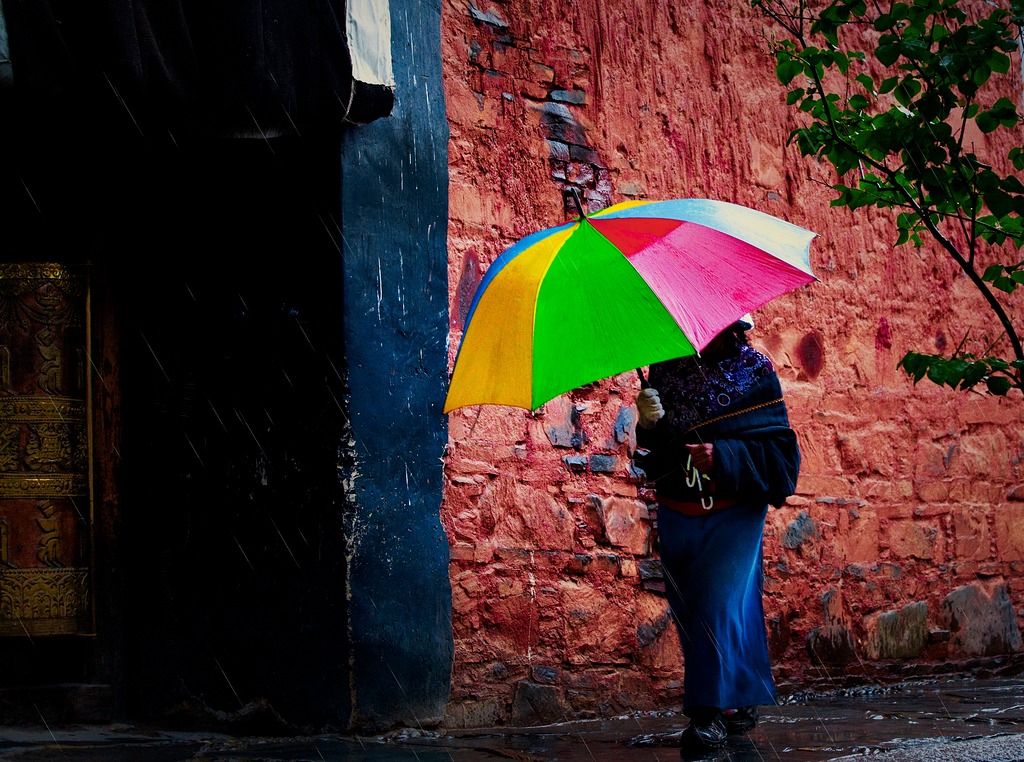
[
  {"x": 42, "y": 485},
  {"x": 17, "y": 277},
  {"x": 20, "y": 408},
  {"x": 45, "y": 519},
  {"x": 44, "y": 601}
]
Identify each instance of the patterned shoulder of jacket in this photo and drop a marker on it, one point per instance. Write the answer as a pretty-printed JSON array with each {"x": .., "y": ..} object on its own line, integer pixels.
[{"x": 693, "y": 391}]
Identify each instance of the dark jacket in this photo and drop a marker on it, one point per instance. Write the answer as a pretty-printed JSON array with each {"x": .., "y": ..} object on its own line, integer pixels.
[{"x": 756, "y": 456}]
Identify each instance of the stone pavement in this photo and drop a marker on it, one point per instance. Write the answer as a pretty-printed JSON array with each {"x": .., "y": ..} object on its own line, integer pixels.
[{"x": 961, "y": 721}]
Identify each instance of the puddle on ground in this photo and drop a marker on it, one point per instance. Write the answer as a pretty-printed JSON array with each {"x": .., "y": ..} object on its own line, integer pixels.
[{"x": 913, "y": 721}]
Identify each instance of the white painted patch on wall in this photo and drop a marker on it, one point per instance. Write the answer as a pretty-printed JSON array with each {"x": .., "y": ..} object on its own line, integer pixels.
[{"x": 369, "y": 40}]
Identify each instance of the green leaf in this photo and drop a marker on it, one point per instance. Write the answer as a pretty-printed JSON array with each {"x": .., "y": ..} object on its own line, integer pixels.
[
  {"x": 992, "y": 272},
  {"x": 859, "y": 102},
  {"x": 916, "y": 365},
  {"x": 1005, "y": 284},
  {"x": 906, "y": 91},
  {"x": 975, "y": 372},
  {"x": 787, "y": 69},
  {"x": 999, "y": 385},
  {"x": 986, "y": 121},
  {"x": 1005, "y": 112},
  {"x": 938, "y": 374},
  {"x": 1016, "y": 156},
  {"x": 887, "y": 55},
  {"x": 999, "y": 202},
  {"x": 1012, "y": 184},
  {"x": 887, "y": 85},
  {"x": 866, "y": 81},
  {"x": 999, "y": 62},
  {"x": 956, "y": 371}
]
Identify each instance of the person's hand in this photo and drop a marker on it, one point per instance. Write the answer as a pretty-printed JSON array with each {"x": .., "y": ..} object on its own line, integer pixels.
[
  {"x": 702, "y": 456},
  {"x": 648, "y": 408}
]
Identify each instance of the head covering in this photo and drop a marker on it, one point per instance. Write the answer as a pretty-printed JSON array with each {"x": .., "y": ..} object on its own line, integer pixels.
[{"x": 746, "y": 322}]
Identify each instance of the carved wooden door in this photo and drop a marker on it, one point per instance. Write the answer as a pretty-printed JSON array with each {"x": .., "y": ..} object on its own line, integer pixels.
[{"x": 45, "y": 506}]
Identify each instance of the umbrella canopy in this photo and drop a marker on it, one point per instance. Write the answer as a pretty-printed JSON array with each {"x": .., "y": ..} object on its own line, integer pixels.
[{"x": 635, "y": 284}]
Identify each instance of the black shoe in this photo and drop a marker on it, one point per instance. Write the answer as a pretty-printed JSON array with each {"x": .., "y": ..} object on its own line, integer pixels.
[
  {"x": 740, "y": 721},
  {"x": 705, "y": 734}
]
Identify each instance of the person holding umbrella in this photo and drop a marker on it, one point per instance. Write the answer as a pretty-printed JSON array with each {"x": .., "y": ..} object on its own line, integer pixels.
[{"x": 714, "y": 439}]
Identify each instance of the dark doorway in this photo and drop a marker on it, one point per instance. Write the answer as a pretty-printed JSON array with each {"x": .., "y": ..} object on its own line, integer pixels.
[
  {"x": 233, "y": 420},
  {"x": 221, "y": 259}
]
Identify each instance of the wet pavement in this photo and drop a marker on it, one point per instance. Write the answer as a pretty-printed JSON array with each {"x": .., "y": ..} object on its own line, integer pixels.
[{"x": 961, "y": 721}]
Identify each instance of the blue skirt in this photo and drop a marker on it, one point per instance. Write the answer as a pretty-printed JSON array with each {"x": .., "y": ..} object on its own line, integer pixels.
[{"x": 714, "y": 584}]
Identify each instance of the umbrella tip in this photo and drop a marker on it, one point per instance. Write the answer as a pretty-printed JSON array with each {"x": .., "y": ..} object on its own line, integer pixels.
[{"x": 576, "y": 200}]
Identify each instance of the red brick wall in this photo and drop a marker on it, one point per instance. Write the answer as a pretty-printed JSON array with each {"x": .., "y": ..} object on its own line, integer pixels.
[{"x": 904, "y": 549}]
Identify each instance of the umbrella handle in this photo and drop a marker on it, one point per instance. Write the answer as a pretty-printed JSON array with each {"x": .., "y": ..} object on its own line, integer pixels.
[
  {"x": 694, "y": 479},
  {"x": 643, "y": 379}
]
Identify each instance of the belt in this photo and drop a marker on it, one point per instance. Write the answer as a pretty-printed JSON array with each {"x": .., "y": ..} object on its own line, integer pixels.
[{"x": 695, "y": 507}]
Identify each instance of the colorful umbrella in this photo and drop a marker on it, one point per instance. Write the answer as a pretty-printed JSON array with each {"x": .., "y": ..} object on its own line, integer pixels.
[{"x": 634, "y": 284}]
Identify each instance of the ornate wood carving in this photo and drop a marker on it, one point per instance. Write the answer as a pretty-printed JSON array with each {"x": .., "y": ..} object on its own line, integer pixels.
[{"x": 45, "y": 516}]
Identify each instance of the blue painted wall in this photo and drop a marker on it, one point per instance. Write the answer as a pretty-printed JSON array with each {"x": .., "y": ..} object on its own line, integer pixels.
[{"x": 394, "y": 224}]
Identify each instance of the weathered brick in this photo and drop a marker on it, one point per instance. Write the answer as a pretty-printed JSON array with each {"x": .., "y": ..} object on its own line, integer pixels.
[
  {"x": 978, "y": 490},
  {"x": 485, "y": 423},
  {"x": 462, "y": 552},
  {"x": 973, "y": 539},
  {"x": 801, "y": 530},
  {"x": 914, "y": 539},
  {"x": 536, "y": 704},
  {"x": 517, "y": 515},
  {"x": 575, "y": 97},
  {"x": 985, "y": 453},
  {"x": 1009, "y": 531},
  {"x": 886, "y": 489},
  {"x": 832, "y": 486},
  {"x": 622, "y": 523},
  {"x": 597, "y": 628},
  {"x": 981, "y": 620},
  {"x": 898, "y": 634},
  {"x": 861, "y": 540},
  {"x": 831, "y": 645},
  {"x": 995, "y": 410},
  {"x": 933, "y": 491},
  {"x": 474, "y": 713},
  {"x": 466, "y": 466}
]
